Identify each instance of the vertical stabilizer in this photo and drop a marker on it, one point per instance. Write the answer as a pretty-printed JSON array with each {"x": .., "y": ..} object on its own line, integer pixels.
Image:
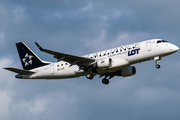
[{"x": 28, "y": 58}]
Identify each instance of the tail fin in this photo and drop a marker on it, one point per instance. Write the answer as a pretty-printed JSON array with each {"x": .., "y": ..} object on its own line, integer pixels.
[{"x": 28, "y": 58}]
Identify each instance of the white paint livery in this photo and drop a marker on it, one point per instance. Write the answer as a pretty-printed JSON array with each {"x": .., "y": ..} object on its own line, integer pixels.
[{"x": 108, "y": 63}]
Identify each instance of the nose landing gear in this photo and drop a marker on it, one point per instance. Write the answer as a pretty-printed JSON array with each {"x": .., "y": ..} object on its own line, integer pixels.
[
  {"x": 157, "y": 60},
  {"x": 158, "y": 66}
]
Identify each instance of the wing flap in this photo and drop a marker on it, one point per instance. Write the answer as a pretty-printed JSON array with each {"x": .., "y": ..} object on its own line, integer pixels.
[{"x": 20, "y": 71}]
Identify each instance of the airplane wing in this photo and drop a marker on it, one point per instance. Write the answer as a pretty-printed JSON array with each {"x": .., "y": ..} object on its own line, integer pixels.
[
  {"x": 22, "y": 72},
  {"x": 72, "y": 59}
]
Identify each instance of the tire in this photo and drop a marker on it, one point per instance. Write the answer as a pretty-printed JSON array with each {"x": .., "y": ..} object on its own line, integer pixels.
[
  {"x": 89, "y": 76},
  {"x": 105, "y": 81},
  {"x": 158, "y": 66}
]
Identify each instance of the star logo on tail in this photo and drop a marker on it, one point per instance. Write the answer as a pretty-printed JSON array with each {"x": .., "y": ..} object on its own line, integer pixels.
[{"x": 27, "y": 60}]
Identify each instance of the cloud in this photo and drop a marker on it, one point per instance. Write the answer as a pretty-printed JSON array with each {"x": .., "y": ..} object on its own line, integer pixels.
[
  {"x": 7, "y": 77},
  {"x": 88, "y": 7},
  {"x": 19, "y": 14},
  {"x": 5, "y": 103},
  {"x": 102, "y": 41},
  {"x": 5, "y": 83},
  {"x": 1, "y": 38}
]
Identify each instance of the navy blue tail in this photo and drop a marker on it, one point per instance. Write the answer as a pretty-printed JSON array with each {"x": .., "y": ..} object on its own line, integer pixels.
[{"x": 28, "y": 58}]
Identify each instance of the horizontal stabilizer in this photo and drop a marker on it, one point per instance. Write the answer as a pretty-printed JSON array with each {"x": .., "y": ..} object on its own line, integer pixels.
[{"x": 20, "y": 71}]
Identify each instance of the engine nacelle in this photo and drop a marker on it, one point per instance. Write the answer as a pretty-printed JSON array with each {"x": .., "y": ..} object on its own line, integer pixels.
[
  {"x": 103, "y": 63},
  {"x": 128, "y": 71}
]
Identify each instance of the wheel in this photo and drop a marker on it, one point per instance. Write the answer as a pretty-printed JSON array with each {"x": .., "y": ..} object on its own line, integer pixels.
[
  {"x": 105, "y": 81},
  {"x": 89, "y": 76},
  {"x": 158, "y": 66}
]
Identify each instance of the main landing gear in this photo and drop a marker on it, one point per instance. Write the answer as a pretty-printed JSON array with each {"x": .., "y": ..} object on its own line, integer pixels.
[
  {"x": 90, "y": 76},
  {"x": 105, "y": 81},
  {"x": 157, "y": 60}
]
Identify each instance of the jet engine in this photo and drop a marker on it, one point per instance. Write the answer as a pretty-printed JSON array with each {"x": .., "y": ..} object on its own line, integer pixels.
[
  {"x": 103, "y": 63},
  {"x": 128, "y": 71}
]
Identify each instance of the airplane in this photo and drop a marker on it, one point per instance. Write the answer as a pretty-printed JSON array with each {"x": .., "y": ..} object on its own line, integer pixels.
[{"x": 108, "y": 63}]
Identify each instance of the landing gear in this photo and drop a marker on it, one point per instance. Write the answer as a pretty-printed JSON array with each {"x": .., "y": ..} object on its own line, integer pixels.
[
  {"x": 105, "y": 81},
  {"x": 90, "y": 76},
  {"x": 157, "y": 60},
  {"x": 158, "y": 66}
]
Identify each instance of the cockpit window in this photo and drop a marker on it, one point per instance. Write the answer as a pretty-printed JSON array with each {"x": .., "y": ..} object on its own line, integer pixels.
[
  {"x": 161, "y": 41},
  {"x": 164, "y": 41}
]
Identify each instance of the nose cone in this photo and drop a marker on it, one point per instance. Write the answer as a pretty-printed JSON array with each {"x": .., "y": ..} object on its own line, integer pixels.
[{"x": 175, "y": 48}]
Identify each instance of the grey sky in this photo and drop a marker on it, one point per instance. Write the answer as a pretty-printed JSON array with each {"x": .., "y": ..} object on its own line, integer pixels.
[{"x": 82, "y": 27}]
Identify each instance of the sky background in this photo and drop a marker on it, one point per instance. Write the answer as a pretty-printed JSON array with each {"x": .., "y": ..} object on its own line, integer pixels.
[{"x": 81, "y": 27}]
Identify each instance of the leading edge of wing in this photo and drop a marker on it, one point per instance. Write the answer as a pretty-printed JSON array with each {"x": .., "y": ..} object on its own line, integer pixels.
[{"x": 67, "y": 57}]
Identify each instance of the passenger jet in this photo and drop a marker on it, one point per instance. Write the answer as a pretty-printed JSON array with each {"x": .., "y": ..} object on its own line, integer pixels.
[{"x": 107, "y": 64}]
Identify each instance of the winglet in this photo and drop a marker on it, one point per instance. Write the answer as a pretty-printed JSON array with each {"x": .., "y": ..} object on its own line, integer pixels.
[{"x": 39, "y": 46}]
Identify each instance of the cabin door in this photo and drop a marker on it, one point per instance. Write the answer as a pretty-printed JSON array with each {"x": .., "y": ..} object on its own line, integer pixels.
[
  {"x": 52, "y": 69},
  {"x": 148, "y": 46}
]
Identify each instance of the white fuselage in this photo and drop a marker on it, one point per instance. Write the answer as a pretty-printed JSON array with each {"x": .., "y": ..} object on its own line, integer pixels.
[{"x": 122, "y": 57}]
